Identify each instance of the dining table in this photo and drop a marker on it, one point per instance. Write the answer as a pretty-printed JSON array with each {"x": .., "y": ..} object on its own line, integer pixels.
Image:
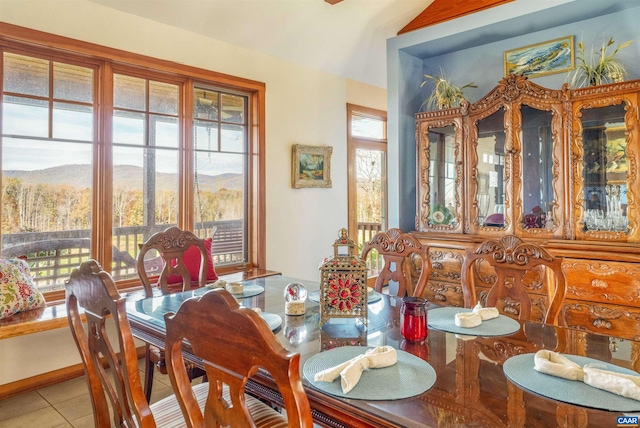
[{"x": 473, "y": 377}]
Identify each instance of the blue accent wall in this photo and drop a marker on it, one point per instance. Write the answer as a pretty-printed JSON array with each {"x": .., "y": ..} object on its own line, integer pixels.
[{"x": 471, "y": 49}]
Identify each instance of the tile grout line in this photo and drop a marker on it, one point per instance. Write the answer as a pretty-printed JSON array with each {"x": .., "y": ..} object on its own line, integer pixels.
[{"x": 54, "y": 408}]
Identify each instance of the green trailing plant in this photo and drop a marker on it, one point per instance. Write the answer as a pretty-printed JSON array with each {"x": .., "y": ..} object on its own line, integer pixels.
[
  {"x": 444, "y": 94},
  {"x": 600, "y": 67}
]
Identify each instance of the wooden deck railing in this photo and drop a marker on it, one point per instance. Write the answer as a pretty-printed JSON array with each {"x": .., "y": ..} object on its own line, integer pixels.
[
  {"x": 366, "y": 231},
  {"x": 52, "y": 255}
]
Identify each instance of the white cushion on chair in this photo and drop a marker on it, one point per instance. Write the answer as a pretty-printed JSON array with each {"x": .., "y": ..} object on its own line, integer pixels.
[{"x": 167, "y": 411}]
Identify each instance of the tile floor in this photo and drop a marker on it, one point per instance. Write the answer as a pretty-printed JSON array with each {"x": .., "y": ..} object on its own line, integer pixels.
[{"x": 65, "y": 404}]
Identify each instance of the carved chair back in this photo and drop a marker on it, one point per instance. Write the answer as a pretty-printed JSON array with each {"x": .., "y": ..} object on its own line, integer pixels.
[
  {"x": 168, "y": 249},
  {"x": 171, "y": 245},
  {"x": 233, "y": 342},
  {"x": 397, "y": 248},
  {"x": 93, "y": 290},
  {"x": 512, "y": 260}
]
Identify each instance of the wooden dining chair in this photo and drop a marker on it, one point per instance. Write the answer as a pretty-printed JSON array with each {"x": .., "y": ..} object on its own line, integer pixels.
[
  {"x": 92, "y": 291},
  {"x": 522, "y": 272},
  {"x": 397, "y": 249},
  {"x": 182, "y": 257},
  {"x": 233, "y": 342},
  {"x": 181, "y": 266}
]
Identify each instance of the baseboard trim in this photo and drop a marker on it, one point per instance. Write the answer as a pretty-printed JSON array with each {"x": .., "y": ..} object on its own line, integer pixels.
[
  {"x": 32, "y": 383},
  {"x": 39, "y": 381}
]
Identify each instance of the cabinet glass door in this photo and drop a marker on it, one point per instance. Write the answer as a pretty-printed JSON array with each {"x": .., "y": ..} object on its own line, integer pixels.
[
  {"x": 604, "y": 169},
  {"x": 490, "y": 186},
  {"x": 442, "y": 176},
  {"x": 536, "y": 138}
]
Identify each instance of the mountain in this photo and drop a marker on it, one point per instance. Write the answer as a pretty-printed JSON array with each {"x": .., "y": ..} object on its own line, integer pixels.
[{"x": 124, "y": 176}]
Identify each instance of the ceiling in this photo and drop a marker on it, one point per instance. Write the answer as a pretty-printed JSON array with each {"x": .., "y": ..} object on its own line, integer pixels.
[{"x": 347, "y": 39}]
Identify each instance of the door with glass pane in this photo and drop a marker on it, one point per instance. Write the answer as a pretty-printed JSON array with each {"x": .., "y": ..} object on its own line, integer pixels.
[{"x": 367, "y": 175}]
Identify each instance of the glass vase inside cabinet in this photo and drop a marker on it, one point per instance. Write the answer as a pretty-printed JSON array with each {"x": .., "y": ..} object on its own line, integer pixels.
[
  {"x": 440, "y": 193},
  {"x": 605, "y": 178},
  {"x": 489, "y": 181},
  {"x": 536, "y": 171}
]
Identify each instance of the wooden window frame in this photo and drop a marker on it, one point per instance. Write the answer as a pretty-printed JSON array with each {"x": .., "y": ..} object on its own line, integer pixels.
[
  {"x": 108, "y": 61},
  {"x": 354, "y": 143}
]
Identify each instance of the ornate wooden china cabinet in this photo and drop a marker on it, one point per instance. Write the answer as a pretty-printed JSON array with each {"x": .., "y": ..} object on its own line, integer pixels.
[{"x": 558, "y": 167}]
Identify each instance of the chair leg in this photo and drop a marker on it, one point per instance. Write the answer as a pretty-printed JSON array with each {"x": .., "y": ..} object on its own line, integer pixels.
[
  {"x": 148, "y": 374},
  {"x": 195, "y": 372}
]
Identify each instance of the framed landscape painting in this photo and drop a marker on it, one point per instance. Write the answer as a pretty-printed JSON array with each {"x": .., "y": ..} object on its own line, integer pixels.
[
  {"x": 554, "y": 56},
  {"x": 311, "y": 166}
]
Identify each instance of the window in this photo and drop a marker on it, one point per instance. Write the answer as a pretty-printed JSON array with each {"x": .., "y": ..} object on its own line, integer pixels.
[
  {"x": 47, "y": 141},
  {"x": 221, "y": 158},
  {"x": 145, "y": 154},
  {"x": 98, "y": 154},
  {"x": 367, "y": 174}
]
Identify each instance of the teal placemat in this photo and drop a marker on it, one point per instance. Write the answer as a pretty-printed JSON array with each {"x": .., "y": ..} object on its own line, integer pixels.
[
  {"x": 274, "y": 320},
  {"x": 409, "y": 377},
  {"x": 520, "y": 371},
  {"x": 372, "y": 297},
  {"x": 444, "y": 319}
]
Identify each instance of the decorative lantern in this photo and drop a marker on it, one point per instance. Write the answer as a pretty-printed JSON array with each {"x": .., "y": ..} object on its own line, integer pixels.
[{"x": 343, "y": 283}]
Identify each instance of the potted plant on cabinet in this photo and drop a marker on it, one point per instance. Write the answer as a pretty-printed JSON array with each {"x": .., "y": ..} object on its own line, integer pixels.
[
  {"x": 599, "y": 68},
  {"x": 444, "y": 94}
]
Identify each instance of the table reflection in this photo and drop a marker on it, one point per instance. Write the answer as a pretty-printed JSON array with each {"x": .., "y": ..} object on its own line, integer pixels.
[{"x": 470, "y": 387}]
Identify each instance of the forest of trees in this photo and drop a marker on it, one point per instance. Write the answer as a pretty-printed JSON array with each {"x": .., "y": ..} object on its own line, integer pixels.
[
  {"x": 370, "y": 180},
  {"x": 44, "y": 207}
]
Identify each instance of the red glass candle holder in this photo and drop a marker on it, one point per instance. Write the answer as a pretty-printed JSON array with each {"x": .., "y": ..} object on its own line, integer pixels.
[{"x": 413, "y": 319}]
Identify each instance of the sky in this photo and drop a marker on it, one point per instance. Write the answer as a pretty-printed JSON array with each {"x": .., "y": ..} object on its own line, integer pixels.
[{"x": 35, "y": 154}]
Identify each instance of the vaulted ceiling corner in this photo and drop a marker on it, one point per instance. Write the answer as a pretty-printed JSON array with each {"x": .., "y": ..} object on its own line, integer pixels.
[{"x": 445, "y": 10}]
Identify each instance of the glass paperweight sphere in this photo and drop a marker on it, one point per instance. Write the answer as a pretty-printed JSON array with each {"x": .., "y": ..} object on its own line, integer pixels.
[{"x": 295, "y": 295}]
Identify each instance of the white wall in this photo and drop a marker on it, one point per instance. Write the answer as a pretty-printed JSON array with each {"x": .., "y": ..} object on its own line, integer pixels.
[
  {"x": 303, "y": 106},
  {"x": 365, "y": 95}
]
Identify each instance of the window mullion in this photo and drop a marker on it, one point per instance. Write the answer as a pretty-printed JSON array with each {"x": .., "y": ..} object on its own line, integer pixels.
[
  {"x": 102, "y": 222},
  {"x": 50, "y": 132},
  {"x": 186, "y": 215}
]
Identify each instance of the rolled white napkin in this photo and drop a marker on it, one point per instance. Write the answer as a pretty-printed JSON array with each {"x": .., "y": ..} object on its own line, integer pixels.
[
  {"x": 486, "y": 313},
  {"x": 351, "y": 370},
  {"x": 619, "y": 383},
  {"x": 475, "y": 317},
  {"x": 468, "y": 319},
  {"x": 552, "y": 363},
  {"x": 234, "y": 287},
  {"x": 221, "y": 283}
]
